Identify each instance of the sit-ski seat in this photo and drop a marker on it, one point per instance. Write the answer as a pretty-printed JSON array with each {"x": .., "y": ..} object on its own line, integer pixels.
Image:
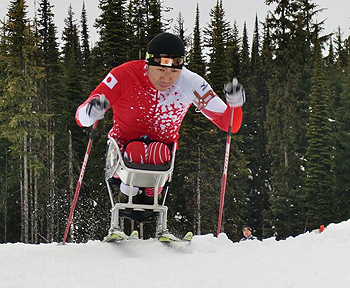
[{"x": 140, "y": 175}]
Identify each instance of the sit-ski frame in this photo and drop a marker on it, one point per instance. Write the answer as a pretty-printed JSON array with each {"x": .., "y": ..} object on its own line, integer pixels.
[{"x": 139, "y": 175}]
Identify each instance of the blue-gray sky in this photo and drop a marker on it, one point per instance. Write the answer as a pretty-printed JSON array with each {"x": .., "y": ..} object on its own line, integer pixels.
[{"x": 336, "y": 14}]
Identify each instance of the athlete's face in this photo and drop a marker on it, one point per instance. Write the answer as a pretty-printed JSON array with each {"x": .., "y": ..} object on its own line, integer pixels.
[{"x": 163, "y": 77}]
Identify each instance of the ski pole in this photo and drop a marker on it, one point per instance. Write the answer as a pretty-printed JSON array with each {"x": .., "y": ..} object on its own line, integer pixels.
[
  {"x": 224, "y": 175},
  {"x": 80, "y": 181}
]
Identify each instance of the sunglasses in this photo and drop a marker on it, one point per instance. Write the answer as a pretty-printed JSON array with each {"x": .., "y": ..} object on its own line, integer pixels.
[{"x": 166, "y": 61}]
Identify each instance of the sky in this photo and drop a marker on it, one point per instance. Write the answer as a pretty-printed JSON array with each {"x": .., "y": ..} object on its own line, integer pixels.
[
  {"x": 311, "y": 260},
  {"x": 336, "y": 14}
]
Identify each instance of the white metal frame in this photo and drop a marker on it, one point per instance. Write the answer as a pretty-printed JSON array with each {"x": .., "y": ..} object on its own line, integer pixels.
[{"x": 142, "y": 176}]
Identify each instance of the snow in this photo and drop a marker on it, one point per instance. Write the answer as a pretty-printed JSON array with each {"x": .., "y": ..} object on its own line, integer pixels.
[{"x": 309, "y": 260}]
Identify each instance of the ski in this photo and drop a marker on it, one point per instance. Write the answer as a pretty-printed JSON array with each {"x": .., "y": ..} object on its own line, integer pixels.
[
  {"x": 117, "y": 236},
  {"x": 166, "y": 238},
  {"x": 169, "y": 238}
]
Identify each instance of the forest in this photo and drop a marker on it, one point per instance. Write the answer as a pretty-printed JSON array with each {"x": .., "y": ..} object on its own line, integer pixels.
[{"x": 289, "y": 168}]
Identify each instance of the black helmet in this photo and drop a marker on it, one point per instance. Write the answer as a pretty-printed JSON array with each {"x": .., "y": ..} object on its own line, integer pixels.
[{"x": 166, "y": 43}]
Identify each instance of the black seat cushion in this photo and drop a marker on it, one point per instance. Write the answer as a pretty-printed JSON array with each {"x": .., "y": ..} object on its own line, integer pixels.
[
  {"x": 149, "y": 167},
  {"x": 139, "y": 216}
]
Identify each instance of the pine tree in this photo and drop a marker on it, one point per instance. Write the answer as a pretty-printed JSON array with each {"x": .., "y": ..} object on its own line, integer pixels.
[
  {"x": 49, "y": 90},
  {"x": 70, "y": 134},
  {"x": 20, "y": 117},
  {"x": 286, "y": 118},
  {"x": 217, "y": 40},
  {"x": 196, "y": 62},
  {"x": 245, "y": 65},
  {"x": 342, "y": 148},
  {"x": 340, "y": 50},
  {"x": 320, "y": 166},
  {"x": 154, "y": 20},
  {"x": 234, "y": 56},
  {"x": 254, "y": 133},
  {"x": 137, "y": 17},
  {"x": 4, "y": 153},
  {"x": 85, "y": 46},
  {"x": 179, "y": 30},
  {"x": 111, "y": 25},
  {"x": 217, "y": 35}
]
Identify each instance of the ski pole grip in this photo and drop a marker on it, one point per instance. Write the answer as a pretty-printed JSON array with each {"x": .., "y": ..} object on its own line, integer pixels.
[
  {"x": 231, "y": 86},
  {"x": 102, "y": 101}
]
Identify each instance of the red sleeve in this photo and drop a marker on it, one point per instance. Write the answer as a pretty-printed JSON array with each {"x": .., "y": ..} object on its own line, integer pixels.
[
  {"x": 111, "y": 86},
  {"x": 222, "y": 119}
]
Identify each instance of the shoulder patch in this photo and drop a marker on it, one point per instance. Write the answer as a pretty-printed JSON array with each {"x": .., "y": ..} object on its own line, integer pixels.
[{"x": 110, "y": 80}]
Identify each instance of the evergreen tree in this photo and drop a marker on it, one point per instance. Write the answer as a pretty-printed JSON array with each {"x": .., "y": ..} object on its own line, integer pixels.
[
  {"x": 245, "y": 65},
  {"x": 217, "y": 40},
  {"x": 342, "y": 149},
  {"x": 4, "y": 154},
  {"x": 196, "y": 62},
  {"x": 154, "y": 20},
  {"x": 217, "y": 34},
  {"x": 113, "y": 34},
  {"x": 286, "y": 117},
  {"x": 18, "y": 102},
  {"x": 137, "y": 15},
  {"x": 85, "y": 46},
  {"x": 262, "y": 81},
  {"x": 179, "y": 30},
  {"x": 320, "y": 167},
  {"x": 70, "y": 134},
  {"x": 254, "y": 133},
  {"x": 340, "y": 50},
  {"x": 234, "y": 56},
  {"x": 49, "y": 90}
]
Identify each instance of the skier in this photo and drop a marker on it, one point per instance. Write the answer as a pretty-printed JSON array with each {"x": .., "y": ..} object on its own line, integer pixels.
[{"x": 149, "y": 99}]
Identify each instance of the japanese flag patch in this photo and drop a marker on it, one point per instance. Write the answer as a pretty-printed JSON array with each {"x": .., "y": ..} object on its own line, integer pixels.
[{"x": 110, "y": 81}]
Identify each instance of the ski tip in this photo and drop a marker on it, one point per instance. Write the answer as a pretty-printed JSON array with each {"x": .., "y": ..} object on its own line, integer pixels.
[
  {"x": 188, "y": 236},
  {"x": 134, "y": 235},
  {"x": 115, "y": 236},
  {"x": 171, "y": 238}
]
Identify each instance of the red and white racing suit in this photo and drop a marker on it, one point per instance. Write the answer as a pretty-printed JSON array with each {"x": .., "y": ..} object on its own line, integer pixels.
[{"x": 139, "y": 109}]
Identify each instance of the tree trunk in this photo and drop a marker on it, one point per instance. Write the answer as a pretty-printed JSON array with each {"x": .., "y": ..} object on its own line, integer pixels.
[
  {"x": 52, "y": 188},
  {"x": 71, "y": 180},
  {"x": 35, "y": 208},
  {"x": 25, "y": 189},
  {"x": 22, "y": 197},
  {"x": 30, "y": 197},
  {"x": 5, "y": 196}
]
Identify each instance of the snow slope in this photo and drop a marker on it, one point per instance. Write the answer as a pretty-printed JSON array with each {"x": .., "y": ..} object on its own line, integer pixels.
[{"x": 309, "y": 260}]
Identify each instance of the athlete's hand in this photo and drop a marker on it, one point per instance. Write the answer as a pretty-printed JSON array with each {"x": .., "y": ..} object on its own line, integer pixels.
[
  {"x": 234, "y": 93},
  {"x": 96, "y": 108}
]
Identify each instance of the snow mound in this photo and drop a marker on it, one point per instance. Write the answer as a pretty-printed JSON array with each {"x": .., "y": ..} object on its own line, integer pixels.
[{"x": 309, "y": 260}]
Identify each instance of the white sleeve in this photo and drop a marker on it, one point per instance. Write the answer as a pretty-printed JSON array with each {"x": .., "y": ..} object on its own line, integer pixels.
[
  {"x": 203, "y": 95},
  {"x": 82, "y": 117}
]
